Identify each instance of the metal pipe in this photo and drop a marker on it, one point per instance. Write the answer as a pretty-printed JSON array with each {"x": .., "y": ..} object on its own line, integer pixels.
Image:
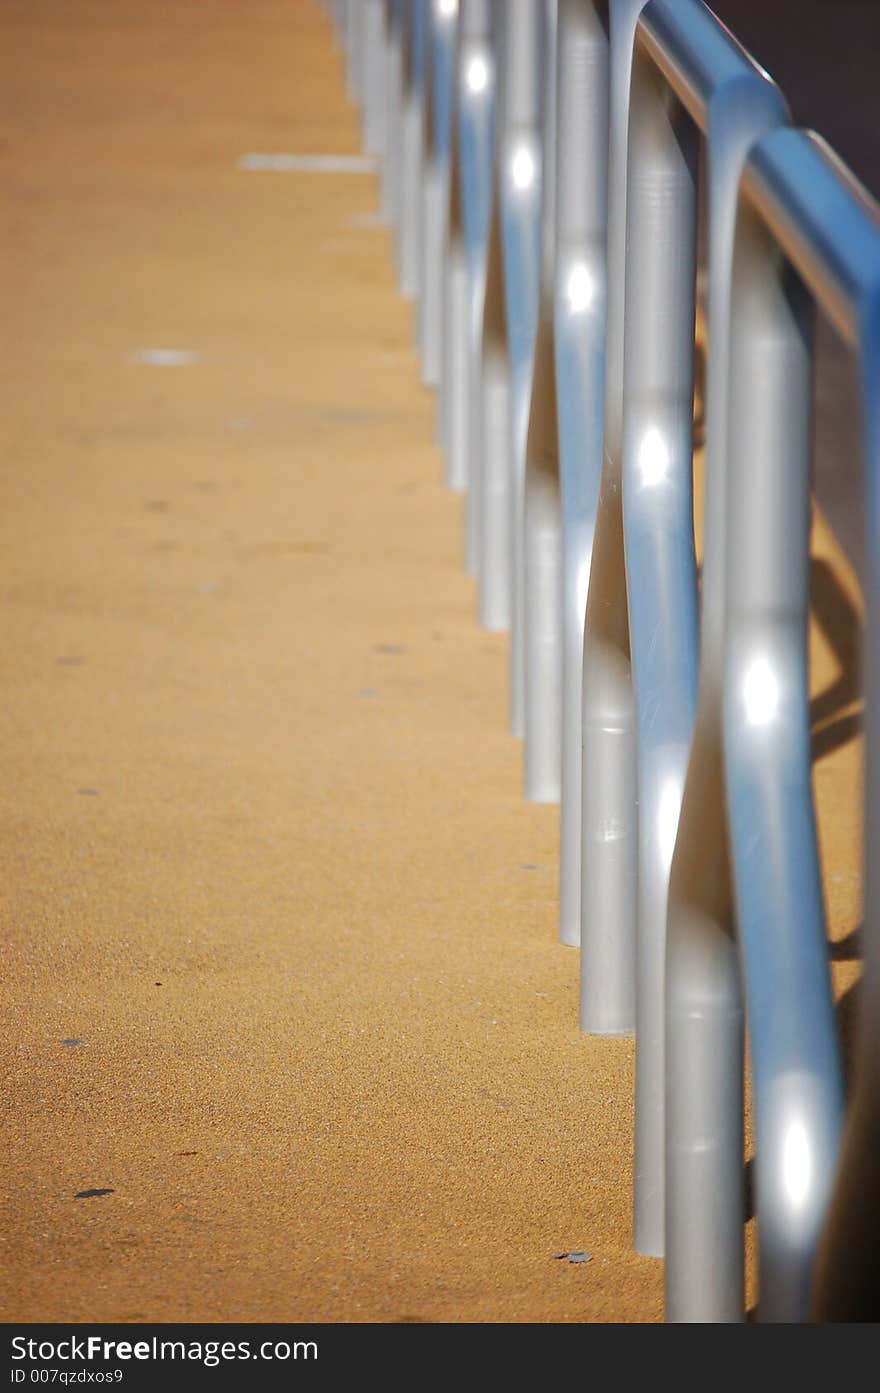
[
  {"x": 394, "y": 110},
  {"x": 455, "y": 311},
  {"x": 520, "y": 187},
  {"x": 687, "y": 69},
  {"x": 491, "y": 420},
  {"x": 800, "y": 199},
  {"x": 408, "y": 250},
  {"x": 581, "y": 217},
  {"x": 354, "y": 49},
  {"x": 542, "y": 513},
  {"x": 374, "y": 77},
  {"x": 441, "y": 22},
  {"x": 777, "y": 882},
  {"x": 470, "y": 190},
  {"x": 608, "y": 810},
  {"x": 680, "y": 44},
  {"x": 657, "y": 483},
  {"x": 492, "y": 433}
]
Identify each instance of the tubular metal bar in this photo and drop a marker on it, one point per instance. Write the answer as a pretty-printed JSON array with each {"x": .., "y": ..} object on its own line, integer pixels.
[
  {"x": 760, "y": 760},
  {"x": 491, "y": 428},
  {"x": 374, "y": 77},
  {"x": 799, "y": 199},
  {"x": 608, "y": 810},
  {"x": 542, "y": 522},
  {"x": 491, "y": 418},
  {"x": 657, "y": 481},
  {"x": 455, "y": 311},
  {"x": 521, "y": 192},
  {"x": 394, "y": 110},
  {"x": 442, "y": 24},
  {"x": 470, "y": 184},
  {"x": 688, "y": 73},
  {"x": 408, "y": 250},
  {"x": 798, "y": 1091},
  {"x": 354, "y": 49},
  {"x": 477, "y": 117},
  {"x": 579, "y": 328}
]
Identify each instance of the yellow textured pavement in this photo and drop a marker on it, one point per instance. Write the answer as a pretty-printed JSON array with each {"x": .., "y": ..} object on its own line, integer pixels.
[{"x": 279, "y": 931}]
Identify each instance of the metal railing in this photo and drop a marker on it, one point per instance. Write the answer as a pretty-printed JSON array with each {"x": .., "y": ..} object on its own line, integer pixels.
[
  {"x": 564, "y": 137},
  {"x": 804, "y": 228}
]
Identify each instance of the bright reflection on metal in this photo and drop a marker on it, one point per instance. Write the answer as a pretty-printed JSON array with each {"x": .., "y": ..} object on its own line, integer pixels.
[
  {"x": 797, "y": 1169},
  {"x": 760, "y": 693},
  {"x": 667, "y": 818},
  {"x": 582, "y": 584},
  {"x": 477, "y": 74},
  {"x": 447, "y": 8},
  {"x": 580, "y": 288},
  {"x": 653, "y": 458},
  {"x": 523, "y": 168}
]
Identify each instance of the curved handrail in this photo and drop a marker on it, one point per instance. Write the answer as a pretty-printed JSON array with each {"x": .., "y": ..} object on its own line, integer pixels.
[
  {"x": 682, "y": 49},
  {"x": 714, "y": 757},
  {"x": 797, "y": 201}
]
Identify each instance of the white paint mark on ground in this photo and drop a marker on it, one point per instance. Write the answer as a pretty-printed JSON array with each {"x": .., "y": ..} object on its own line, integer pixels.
[
  {"x": 369, "y": 220},
  {"x": 341, "y": 246},
  {"x": 308, "y": 164},
  {"x": 164, "y": 357}
]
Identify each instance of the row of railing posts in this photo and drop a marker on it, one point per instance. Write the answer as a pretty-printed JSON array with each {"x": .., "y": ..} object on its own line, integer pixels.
[{"x": 542, "y": 164}]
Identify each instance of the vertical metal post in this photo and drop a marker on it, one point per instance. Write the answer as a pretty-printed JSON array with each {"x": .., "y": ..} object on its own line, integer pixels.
[
  {"x": 442, "y": 20},
  {"x": 581, "y": 216},
  {"x": 704, "y": 1209},
  {"x": 469, "y": 194},
  {"x": 520, "y": 187},
  {"x": 657, "y": 481},
  {"x": 542, "y": 520},
  {"x": 492, "y": 434},
  {"x": 374, "y": 77},
  {"x": 608, "y": 815},
  {"x": 393, "y": 110},
  {"x": 454, "y": 308},
  {"x": 795, "y": 1064},
  {"x": 354, "y": 49},
  {"x": 408, "y": 240},
  {"x": 491, "y": 417}
]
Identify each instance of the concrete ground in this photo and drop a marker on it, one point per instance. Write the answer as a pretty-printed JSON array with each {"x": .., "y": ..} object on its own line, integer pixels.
[{"x": 288, "y": 1033}]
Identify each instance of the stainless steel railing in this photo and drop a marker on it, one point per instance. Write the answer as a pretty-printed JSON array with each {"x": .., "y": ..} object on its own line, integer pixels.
[
  {"x": 803, "y": 230},
  {"x": 546, "y": 213}
]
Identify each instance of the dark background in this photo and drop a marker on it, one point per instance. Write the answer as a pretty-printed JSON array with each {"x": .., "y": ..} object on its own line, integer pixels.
[{"x": 825, "y": 56}]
